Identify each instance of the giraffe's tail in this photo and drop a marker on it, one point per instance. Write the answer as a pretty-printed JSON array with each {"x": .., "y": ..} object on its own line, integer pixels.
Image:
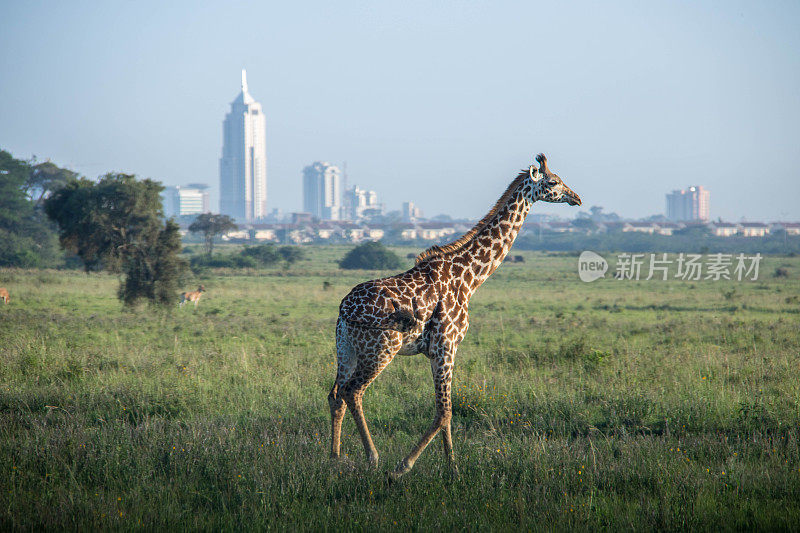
[
  {"x": 401, "y": 320},
  {"x": 345, "y": 355}
]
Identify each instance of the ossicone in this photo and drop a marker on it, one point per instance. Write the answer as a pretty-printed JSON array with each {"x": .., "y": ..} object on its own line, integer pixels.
[{"x": 543, "y": 162}]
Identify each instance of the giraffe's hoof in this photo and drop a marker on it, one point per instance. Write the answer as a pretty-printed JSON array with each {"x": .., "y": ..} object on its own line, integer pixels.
[
  {"x": 373, "y": 462},
  {"x": 400, "y": 469},
  {"x": 454, "y": 473},
  {"x": 342, "y": 463},
  {"x": 393, "y": 476}
]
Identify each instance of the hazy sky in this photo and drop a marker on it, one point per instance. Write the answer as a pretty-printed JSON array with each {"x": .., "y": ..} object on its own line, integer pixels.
[{"x": 438, "y": 102}]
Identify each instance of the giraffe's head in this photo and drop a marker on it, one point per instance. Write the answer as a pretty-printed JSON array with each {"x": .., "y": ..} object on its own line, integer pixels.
[{"x": 548, "y": 187}]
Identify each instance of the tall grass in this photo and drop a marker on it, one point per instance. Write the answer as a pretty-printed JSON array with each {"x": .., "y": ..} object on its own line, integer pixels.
[{"x": 614, "y": 404}]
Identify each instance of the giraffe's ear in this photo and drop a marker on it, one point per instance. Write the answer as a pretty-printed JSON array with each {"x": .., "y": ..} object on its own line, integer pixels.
[{"x": 534, "y": 172}]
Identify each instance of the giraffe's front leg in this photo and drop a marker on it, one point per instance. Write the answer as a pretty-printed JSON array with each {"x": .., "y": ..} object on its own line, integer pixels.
[
  {"x": 447, "y": 442},
  {"x": 442, "y": 370}
]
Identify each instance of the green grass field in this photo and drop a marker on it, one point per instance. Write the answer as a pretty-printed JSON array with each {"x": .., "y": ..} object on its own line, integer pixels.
[{"x": 615, "y": 404}]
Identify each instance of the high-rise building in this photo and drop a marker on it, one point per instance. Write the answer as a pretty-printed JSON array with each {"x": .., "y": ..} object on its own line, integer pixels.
[
  {"x": 186, "y": 200},
  {"x": 359, "y": 203},
  {"x": 243, "y": 165},
  {"x": 689, "y": 204},
  {"x": 411, "y": 212},
  {"x": 322, "y": 192}
]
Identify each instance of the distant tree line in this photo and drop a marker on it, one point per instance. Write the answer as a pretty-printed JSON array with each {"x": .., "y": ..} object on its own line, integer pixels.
[
  {"x": 366, "y": 256},
  {"x": 258, "y": 256},
  {"x": 690, "y": 240}
]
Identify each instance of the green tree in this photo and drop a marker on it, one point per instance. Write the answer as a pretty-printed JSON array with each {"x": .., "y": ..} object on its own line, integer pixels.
[
  {"x": 44, "y": 179},
  {"x": 371, "y": 256},
  {"x": 211, "y": 225},
  {"x": 695, "y": 231},
  {"x": 27, "y": 238},
  {"x": 116, "y": 224},
  {"x": 153, "y": 271}
]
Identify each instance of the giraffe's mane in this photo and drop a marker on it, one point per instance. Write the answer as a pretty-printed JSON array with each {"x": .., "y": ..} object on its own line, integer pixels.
[{"x": 437, "y": 251}]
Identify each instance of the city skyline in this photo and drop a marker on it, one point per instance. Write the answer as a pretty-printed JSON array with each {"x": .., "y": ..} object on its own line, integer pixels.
[{"x": 602, "y": 90}]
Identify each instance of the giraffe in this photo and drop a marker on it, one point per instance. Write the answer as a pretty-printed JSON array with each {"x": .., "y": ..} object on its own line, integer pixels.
[{"x": 424, "y": 310}]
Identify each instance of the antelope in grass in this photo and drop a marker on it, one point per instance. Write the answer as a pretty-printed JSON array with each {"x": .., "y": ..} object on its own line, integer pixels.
[
  {"x": 193, "y": 296},
  {"x": 4, "y": 295}
]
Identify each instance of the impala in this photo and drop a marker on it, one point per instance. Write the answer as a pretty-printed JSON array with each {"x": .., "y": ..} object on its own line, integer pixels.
[{"x": 193, "y": 296}]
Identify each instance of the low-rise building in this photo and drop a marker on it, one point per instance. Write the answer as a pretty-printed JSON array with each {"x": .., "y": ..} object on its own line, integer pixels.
[
  {"x": 559, "y": 227},
  {"x": 431, "y": 231},
  {"x": 753, "y": 229},
  {"x": 640, "y": 227},
  {"x": 668, "y": 228},
  {"x": 724, "y": 229},
  {"x": 791, "y": 228}
]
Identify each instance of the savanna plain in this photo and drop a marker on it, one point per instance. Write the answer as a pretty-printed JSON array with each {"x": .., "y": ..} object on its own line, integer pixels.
[{"x": 615, "y": 405}]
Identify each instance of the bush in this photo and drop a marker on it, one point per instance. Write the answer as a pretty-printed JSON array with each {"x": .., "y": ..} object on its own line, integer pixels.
[
  {"x": 292, "y": 254},
  {"x": 153, "y": 273},
  {"x": 258, "y": 256},
  {"x": 264, "y": 254},
  {"x": 370, "y": 256},
  {"x": 236, "y": 260},
  {"x": 18, "y": 251}
]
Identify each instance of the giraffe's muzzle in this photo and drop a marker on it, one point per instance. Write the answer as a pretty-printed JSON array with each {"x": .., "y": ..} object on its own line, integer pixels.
[{"x": 572, "y": 198}]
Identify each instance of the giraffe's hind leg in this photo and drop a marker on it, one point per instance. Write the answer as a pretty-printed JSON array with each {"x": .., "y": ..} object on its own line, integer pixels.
[
  {"x": 353, "y": 393},
  {"x": 377, "y": 352},
  {"x": 344, "y": 369},
  {"x": 353, "y": 396}
]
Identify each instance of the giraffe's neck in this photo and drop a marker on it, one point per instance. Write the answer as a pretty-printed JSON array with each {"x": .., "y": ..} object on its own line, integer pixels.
[{"x": 486, "y": 250}]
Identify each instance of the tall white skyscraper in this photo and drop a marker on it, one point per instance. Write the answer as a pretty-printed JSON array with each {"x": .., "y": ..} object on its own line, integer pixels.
[
  {"x": 243, "y": 165},
  {"x": 322, "y": 190}
]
